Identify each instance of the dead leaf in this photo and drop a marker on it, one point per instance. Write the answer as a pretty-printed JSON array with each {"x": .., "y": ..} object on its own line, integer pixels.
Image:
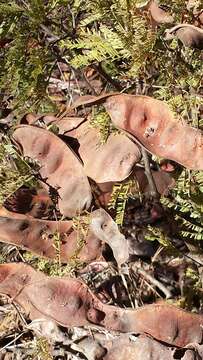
[
  {"x": 59, "y": 166},
  {"x": 189, "y": 35},
  {"x": 159, "y": 15},
  {"x": 152, "y": 123},
  {"x": 69, "y": 302}
]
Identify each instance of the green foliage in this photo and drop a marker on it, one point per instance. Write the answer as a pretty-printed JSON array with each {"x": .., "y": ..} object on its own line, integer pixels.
[
  {"x": 26, "y": 61},
  {"x": 119, "y": 197},
  {"x": 14, "y": 171},
  {"x": 101, "y": 121},
  {"x": 192, "y": 288},
  {"x": 115, "y": 33},
  {"x": 186, "y": 203},
  {"x": 42, "y": 349},
  {"x": 156, "y": 234},
  {"x": 111, "y": 32}
]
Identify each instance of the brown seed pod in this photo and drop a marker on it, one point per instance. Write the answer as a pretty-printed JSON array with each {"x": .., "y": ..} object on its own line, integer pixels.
[
  {"x": 59, "y": 166},
  {"x": 111, "y": 161},
  {"x": 159, "y": 15},
  {"x": 63, "y": 238},
  {"x": 190, "y": 35},
  {"x": 152, "y": 123},
  {"x": 69, "y": 302},
  {"x": 43, "y": 237}
]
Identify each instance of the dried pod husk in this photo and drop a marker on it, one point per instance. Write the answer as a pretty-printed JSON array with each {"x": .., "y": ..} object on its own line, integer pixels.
[
  {"x": 111, "y": 161},
  {"x": 82, "y": 239},
  {"x": 51, "y": 239},
  {"x": 159, "y": 15},
  {"x": 59, "y": 166},
  {"x": 69, "y": 302},
  {"x": 190, "y": 35},
  {"x": 151, "y": 122}
]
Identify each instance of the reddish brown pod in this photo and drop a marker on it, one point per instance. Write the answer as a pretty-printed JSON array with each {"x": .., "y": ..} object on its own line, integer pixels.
[
  {"x": 159, "y": 15},
  {"x": 103, "y": 162},
  {"x": 111, "y": 161},
  {"x": 69, "y": 302},
  {"x": 43, "y": 236},
  {"x": 190, "y": 35},
  {"x": 59, "y": 166},
  {"x": 152, "y": 123}
]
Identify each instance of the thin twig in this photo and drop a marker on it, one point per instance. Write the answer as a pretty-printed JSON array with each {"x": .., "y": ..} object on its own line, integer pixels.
[
  {"x": 89, "y": 84},
  {"x": 13, "y": 341},
  {"x": 107, "y": 77},
  {"x": 153, "y": 281},
  {"x": 153, "y": 189}
]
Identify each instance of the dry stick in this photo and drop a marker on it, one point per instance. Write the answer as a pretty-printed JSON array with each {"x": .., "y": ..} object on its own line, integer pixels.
[
  {"x": 88, "y": 83},
  {"x": 153, "y": 189},
  {"x": 154, "y": 281},
  {"x": 13, "y": 341},
  {"x": 107, "y": 77}
]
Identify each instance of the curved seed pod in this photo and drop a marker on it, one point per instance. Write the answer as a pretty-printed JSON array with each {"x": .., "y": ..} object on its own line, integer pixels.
[
  {"x": 159, "y": 15},
  {"x": 59, "y": 166},
  {"x": 103, "y": 226},
  {"x": 68, "y": 123},
  {"x": 200, "y": 17},
  {"x": 153, "y": 124},
  {"x": 111, "y": 161},
  {"x": 144, "y": 347},
  {"x": 189, "y": 35},
  {"x": 43, "y": 236},
  {"x": 69, "y": 302}
]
